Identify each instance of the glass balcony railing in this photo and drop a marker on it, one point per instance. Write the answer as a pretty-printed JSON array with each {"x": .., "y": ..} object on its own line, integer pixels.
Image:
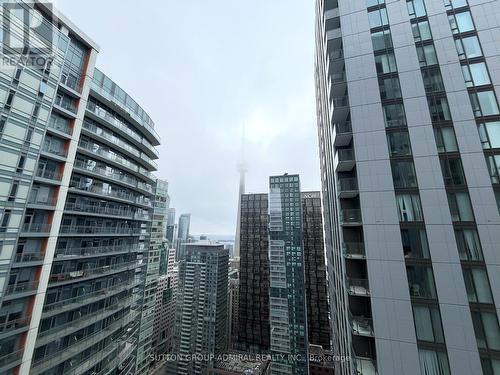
[
  {"x": 110, "y": 137},
  {"x": 84, "y": 229},
  {"x": 333, "y": 33},
  {"x": 13, "y": 325},
  {"x": 343, "y": 128},
  {"x": 332, "y": 13},
  {"x": 116, "y": 194},
  {"x": 48, "y": 174},
  {"x": 23, "y": 287},
  {"x": 43, "y": 201},
  {"x": 7, "y": 359},
  {"x": 365, "y": 366},
  {"x": 67, "y": 104},
  {"x": 55, "y": 151},
  {"x": 361, "y": 326},
  {"x": 358, "y": 287},
  {"x": 106, "y": 173},
  {"x": 350, "y": 216},
  {"x": 61, "y": 125},
  {"x": 101, "y": 210},
  {"x": 36, "y": 228},
  {"x": 96, "y": 150},
  {"x": 71, "y": 82},
  {"x": 98, "y": 271},
  {"x": 340, "y": 102},
  {"x": 97, "y": 250},
  {"x": 345, "y": 185},
  {"x": 354, "y": 249},
  {"x": 29, "y": 257},
  {"x": 345, "y": 155}
]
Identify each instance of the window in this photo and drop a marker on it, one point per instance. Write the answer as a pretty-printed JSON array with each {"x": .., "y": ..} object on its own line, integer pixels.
[
  {"x": 378, "y": 18},
  {"x": 468, "y": 48},
  {"x": 5, "y": 220},
  {"x": 439, "y": 109},
  {"x": 415, "y": 243},
  {"x": 3, "y": 120},
  {"x": 416, "y": 8},
  {"x": 20, "y": 163},
  {"x": 399, "y": 144},
  {"x": 461, "y": 22},
  {"x": 460, "y": 207},
  {"x": 476, "y": 74},
  {"x": 453, "y": 173},
  {"x": 421, "y": 31},
  {"x": 453, "y": 4},
  {"x": 477, "y": 285},
  {"x": 394, "y": 115},
  {"x": 433, "y": 362},
  {"x": 403, "y": 174},
  {"x": 427, "y": 55},
  {"x": 13, "y": 190},
  {"x": 445, "y": 139},
  {"x": 493, "y": 163},
  {"x": 421, "y": 282},
  {"x": 409, "y": 207},
  {"x": 428, "y": 324},
  {"x": 469, "y": 246},
  {"x": 489, "y": 133},
  {"x": 487, "y": 330},
  {"x": 385, "y": 63},
  {"x": 432, "y": 80},
  {"x": 10, "y": 98},
  {"x": 484, "y": 103},
  {"x": 381, "y": 40},
  {"x": 389, "y": 88},
  {"x": 490, "y": 366}
]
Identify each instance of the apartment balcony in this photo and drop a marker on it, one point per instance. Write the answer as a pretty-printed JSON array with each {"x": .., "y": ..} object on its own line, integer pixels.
[
  {"x": 54, "y": 153},
  {"x": 71, "y": 84},
  {"x": 365, "y": 366},
  {"x": 21, "y": 289},
  {"x": 79, "y": 230},
  {"x": 35, "y": 229},
  {"x": 339, "y": 108},
  {"x": 358, "y": 287},
  {"x": 83, "y": 300},
  {"x": 343, "y": 134},
  {"x": 337, "y": 82},
  {"x": 350, "y": 217},
  {"x": 103, "y": 172},
  {"x": 345, "y": 160},
  {"x": 16, "y": 326},
  {"x": 361, "y": 326},
  {"x": 48, "y": 176},
  {"x": 28, "y": 259},
  {"x": 332, "y": 13},
  {"x": 85, "y": 208},
  {"x": 333, "y": 34},
  {"x": 65, "y": 106},
  {"x": 76, "y": 347},
  {"x": 11, "y": 360},
  {"x": 347, "y": 187},
  {"x": 60, "y": 128},
  {"x": 98, "y": 251},
  {"x": 354, "y": 250},
  {"x": 43, "y": 203},
  {"x": 119, "y": 195},
  {"x": 79, "y": 275},
  {"x": 110, "y": 139}
]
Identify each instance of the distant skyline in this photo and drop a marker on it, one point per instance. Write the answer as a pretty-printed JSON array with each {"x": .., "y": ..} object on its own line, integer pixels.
[{"x": 200, "y": 80}]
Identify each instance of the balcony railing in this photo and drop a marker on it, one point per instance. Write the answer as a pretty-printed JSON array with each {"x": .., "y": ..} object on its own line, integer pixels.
[
  {"x": 24, "y": 287},
  {"x": 66, "y": 104},
  {"x": 84, "y": 229},
  {"x": 11, "y": 357},
  {"x": 361, "y": 326},
  {"x": 350, "y": 216},
  {"x": 358, "y": 287},
  {"x": 36, "y": 228},
  {"x": 60, "y": 125},
  {"x": 49, "y": 175},
  {"x": 354, "y": 249},
  {"x": 110, "y": 137},
  {"x": 58, "y": 152},
  {"x": 79, "y": 274},
  {"x": 12, "y": 325},
  {"x": 333, "y": 33},
  {"x": 97, "y": 250},
  {"x": 345, "y": 155},
  {"x": 340, "y": 102},
  {"x": 102, "y": 113},
  {"x": 116, "y": 194},
  {"x": 365, "y": 366},
  {"x": 332, "y": 13},
  {"x": 71, "y": 82},
  {"x": 43, "y": 201},
  {"x": 94, "y": 209},
  {"x": 347, "y": 185},
  {"x": 343, "y": 127},
  {"x": 24, "y": 258}
]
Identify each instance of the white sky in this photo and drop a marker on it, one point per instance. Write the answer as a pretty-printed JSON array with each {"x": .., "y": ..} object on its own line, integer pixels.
[{"x": 203, "y": 68}]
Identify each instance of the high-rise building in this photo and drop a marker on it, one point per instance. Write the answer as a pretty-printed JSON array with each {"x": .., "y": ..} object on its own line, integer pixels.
[
  {"x": 287, "y": 301},
  {"x": 171, "y": 227},
  {"x": 182, "y": 235},
  {"x": 233, "y": 310},
  {"x": 242, "y": 170},
  {"x": 201, "y": 312},
  {"x": 318, "y": 324},
  {"x": 157, "y": 239},
  {"x": 408, "y": 123},
  {"x": 76, "y": 157},
  {"x": 253, "y": 324}
]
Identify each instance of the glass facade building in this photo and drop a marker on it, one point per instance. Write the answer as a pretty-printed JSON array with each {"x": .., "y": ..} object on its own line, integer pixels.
[
  {"x": 406, "y": 109},
  {"x": 76, "y": 173}
]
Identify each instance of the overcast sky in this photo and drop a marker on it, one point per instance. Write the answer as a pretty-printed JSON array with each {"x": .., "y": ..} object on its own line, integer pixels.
[{"x": 202, "y": 69}]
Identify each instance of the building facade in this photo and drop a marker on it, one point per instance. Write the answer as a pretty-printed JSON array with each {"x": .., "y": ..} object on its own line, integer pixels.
[
  {"x": 201, "y": 312},
  {"x": 182, "y": 236},
  {"x": 77, "y": 155},
  {"x": 287, "y": 297},
  {"x": 407, "y": 116}
]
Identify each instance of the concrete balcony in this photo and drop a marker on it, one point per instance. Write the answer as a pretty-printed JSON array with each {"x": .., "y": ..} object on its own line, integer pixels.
[
  {"x": 333, "y": 34},
  {"x": 350, "y": 217},
  {"x": 345, "y": 160},
  {"x": 332, "y": 13},
  {"x": 365, "y": 366},
  {"x": 354, "y": 250},
  {"x": 347, "y": 187},
  {"x": 358, "y": 287},
  {"x": 343, "y": 134}
]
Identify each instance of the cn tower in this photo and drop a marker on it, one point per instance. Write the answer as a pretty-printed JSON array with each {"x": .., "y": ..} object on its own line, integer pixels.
[{"x": 242, "y": 170}]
